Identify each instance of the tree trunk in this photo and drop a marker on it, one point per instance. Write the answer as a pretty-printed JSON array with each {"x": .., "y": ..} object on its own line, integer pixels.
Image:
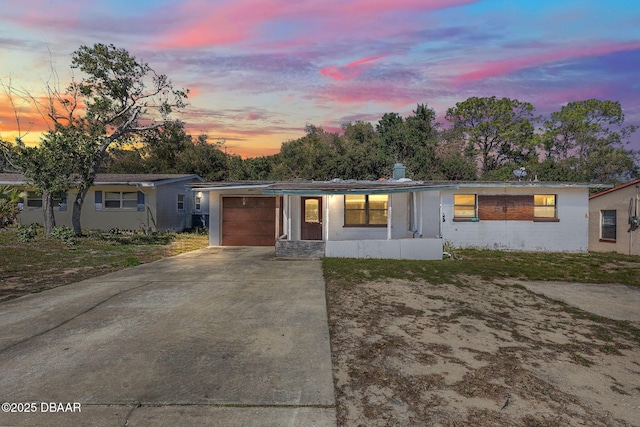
[
  {"x": 77, "y": 211},
  {"x": 49, "y": 217}
]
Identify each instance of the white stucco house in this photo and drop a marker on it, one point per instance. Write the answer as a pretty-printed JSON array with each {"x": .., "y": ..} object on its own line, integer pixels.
[
  {"x": 124, "y": 201},
  {"x": 399, "y": 218}
]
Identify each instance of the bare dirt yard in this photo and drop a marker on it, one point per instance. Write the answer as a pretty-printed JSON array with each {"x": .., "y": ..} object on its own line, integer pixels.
[{"x": 475, "y": 352}]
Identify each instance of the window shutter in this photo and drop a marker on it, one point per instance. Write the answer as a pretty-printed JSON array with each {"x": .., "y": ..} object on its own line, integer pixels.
[
  {"x": 140, "y": 201},
  {"x": 62, "y": 207},
  {"x": 98, "y": 200}
]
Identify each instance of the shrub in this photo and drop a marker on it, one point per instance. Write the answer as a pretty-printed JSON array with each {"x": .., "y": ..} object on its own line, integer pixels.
[
  {"x": 65, "y": 234},
  {"x": 26, "y": 233}
]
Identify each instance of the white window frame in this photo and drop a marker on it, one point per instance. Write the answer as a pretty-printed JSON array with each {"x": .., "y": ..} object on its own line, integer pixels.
[
  {"x": 180, "y": 202},
  {"x": 108, "y": 198}
]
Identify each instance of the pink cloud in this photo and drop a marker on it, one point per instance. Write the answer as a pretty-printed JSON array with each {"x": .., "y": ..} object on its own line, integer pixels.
[
  {"x": 508, "y": 66},
  {"x": 230, "y": 22},
  {"x": 379, "y": 92},
  {"x": 350, "y": 71}
]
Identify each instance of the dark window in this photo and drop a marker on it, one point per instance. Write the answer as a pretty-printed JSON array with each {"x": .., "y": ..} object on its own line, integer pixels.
[
  {"x": 608, "y": 225},
  {"x": 366, "y": 209},
  {"x": 121, "y": 199},
  {"x": 34, "y": 200}
]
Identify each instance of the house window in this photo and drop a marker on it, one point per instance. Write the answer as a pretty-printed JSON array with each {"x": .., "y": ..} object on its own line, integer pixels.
[
  {"x": 366, "y": 210},
  {"x": 464, "y": 206},
  {"x": 198, "y": 203},
  {"x": 544, "y": 206},
  {"x": 34, "y": 200},
  {"x": 180, "y": 202},
  {"x": 121, "y": 199},
  {"x": 58, "y": 200},
  {"x": 608, "y": 225}
]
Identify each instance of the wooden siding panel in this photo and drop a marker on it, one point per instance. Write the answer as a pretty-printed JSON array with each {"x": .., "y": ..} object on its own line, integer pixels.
[
  {"x": 491, "y": 208},
  {"x": 519, "y": 208},
  {"x": 505, "y": 208}
]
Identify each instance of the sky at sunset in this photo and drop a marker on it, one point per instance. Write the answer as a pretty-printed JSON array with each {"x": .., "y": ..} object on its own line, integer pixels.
[{"x": 260, "y": 70}]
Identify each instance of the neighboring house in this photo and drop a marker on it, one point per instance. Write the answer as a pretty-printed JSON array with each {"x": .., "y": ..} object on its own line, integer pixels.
[
  {"x": 123, "y": 201},
  {"x": 397, "y": 219},
  {"x": 614, "y": 219}
]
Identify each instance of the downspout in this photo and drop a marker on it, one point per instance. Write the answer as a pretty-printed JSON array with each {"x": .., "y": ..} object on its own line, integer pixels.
[{"x": 389, "y": 216}]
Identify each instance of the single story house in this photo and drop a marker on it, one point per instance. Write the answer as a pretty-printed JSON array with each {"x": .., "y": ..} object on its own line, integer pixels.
[
  {"x": 123, "y": 201},
  {"x": 614, "y": 219},
  {"x": 398, "y": 218}
]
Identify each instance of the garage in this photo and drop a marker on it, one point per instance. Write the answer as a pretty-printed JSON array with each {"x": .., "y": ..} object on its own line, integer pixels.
[{"x": 248, "y": 221}]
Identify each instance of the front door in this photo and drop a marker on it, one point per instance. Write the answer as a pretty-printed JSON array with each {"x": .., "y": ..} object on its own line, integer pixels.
[{"x": 311, "y": 228}]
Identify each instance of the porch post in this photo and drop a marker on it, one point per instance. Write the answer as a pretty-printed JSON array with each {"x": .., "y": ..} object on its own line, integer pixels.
[
  {"x": 325, "y": 220},
  {"x": 389, "y": 216},
  {"x": 286, "y": 224},
  {"x": 288, "y": 217}
]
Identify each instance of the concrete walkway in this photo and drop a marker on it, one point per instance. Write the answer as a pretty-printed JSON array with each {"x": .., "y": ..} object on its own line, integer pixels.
[{"x": 219, "y": 336}]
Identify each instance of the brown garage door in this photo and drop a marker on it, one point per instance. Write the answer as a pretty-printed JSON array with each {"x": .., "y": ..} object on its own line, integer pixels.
[{"x": 248, "y": 221}]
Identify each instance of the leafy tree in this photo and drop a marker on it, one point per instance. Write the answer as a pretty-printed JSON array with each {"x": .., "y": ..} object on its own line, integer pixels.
[
  {"x": 314, "y": 156},
  {"x": 162, "y": 147},
  {"x": 118, "y": 97},
  {"x": 497, "y": 131},
  {"x": 9, "y": 198},
  {"x": 124, "y": 160},
  {"x": 421, "y": 136},
  {"x": 588, "y": 137},
  {"x": 451, "y": 160},
  {"x": 361, "y": 155},
  {"x": 390, "y": 129},
  {"x": 260, "y": 168},
  {"x": 204, "y": 159},
  {"x": 50, "y": 167}
]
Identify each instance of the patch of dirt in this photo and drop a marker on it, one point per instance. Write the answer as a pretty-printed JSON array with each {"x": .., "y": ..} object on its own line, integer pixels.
[
  {"x": 15, "y": 286},
  {"x": 411, "y": 353}
]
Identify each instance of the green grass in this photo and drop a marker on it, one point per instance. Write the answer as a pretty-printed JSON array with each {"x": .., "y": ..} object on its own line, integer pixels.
[
  {"x": 491, "y": 265},
  {"x": 45, "y": 263}
]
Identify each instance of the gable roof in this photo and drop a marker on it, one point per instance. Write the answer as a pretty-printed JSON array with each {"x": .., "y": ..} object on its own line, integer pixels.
[
  {"x": 143, "y": 180},
  {"x": 616, "y": 188}
]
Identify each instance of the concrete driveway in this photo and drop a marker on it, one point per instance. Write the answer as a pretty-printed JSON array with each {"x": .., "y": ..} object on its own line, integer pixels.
[{"x": 219, "y": 336}]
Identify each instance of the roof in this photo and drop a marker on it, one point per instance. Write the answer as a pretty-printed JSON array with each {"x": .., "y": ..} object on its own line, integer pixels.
[
  {"x": 616, "y": 188},
  {"x": 144, "y": 180},
  {"x": 338, "y": 186}
]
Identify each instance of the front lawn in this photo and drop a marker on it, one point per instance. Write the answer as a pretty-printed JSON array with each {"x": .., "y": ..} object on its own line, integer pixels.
[{"x": 42, "y": 263}]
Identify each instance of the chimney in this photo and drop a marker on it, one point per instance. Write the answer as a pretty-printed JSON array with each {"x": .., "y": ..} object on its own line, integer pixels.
[{"x": 398, "y": 171}]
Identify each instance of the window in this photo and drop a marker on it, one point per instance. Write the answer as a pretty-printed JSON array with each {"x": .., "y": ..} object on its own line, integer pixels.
[
  {"x": 34, "y": 200},
  {"x": 198, "y": 203},
  {"x": 366, "y": 210},
  {"x": 464, "y": 206},
  {"x": 181, "y": 202},
  {"x": 121, "y": 199},
  {"x": 544, "y": 206},
  {"x": 58, "y": 200},
  {"x": 312, "y": 211},
  {"x": 608, "y": 225}
]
